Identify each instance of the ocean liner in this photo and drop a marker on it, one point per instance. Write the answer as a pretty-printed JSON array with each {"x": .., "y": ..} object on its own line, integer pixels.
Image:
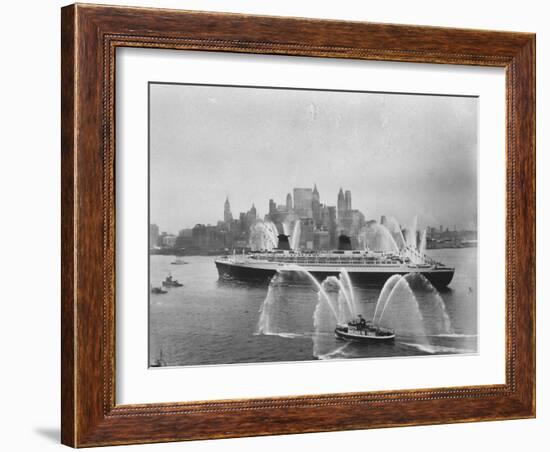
[{"x": 363, "y": 266}]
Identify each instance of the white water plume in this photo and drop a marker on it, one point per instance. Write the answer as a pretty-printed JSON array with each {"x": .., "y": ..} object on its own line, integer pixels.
[
  {"x": 263, "y": 236},
  {"x": 295, "y": 236},
  {"x": 410, "y": 236},
  {"x": 376, "y": 237},
  {"x": 384, "y": 296},
  {"x": 409, "y": 304},
  {"x": 395, "y": 230},
  {"x": 423, "y": 242}
]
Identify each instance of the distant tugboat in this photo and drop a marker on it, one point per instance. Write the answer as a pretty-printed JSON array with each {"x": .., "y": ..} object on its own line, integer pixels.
[
  {"x": 364, "y": 266},
  {"x": 160, "y": 361},
  {"x": 171, "y": 282},
  {"x": 178, "y": 261},
  {"x": 360, "y": 330}
]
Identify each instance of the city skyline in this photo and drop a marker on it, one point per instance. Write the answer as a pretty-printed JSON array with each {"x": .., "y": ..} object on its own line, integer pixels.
[
  {"x": 401, "y": 155},
  {"x": 228, "y": 213}
]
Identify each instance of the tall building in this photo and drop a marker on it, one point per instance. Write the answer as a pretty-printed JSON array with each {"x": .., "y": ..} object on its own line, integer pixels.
[
  {"x": 348, "y": 199},
  {"x": 302, "y": 202},
  {"x": 243, "y": 221},
  {"x": 306, "y": 233},
  {"x": 289, "y": 203},
  {"x": 345, "y": 213},
  {"x": 153, "y": 236},
  {"x": 272, "y": 208},
  {"x": 341, "y": 204},
  {"x": 332, "y": 226},
  {"x": 227, "y": 216},
  {"x": 316, "y": 206}
]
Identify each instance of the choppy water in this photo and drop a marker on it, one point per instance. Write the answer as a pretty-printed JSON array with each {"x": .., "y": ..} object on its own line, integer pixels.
[{"x": 208, "y": 321}]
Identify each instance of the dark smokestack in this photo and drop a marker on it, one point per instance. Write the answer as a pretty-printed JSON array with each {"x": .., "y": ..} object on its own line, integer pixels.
[
  {"x": 284, "y": 244},
  {"x": 344, "y": 243}
]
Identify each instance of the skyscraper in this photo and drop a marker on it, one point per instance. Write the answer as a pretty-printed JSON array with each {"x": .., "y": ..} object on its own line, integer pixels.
[
  {"x": 345, "y": 212},
  {"x": 341, "y": 204},
  {"x": 302, "y": 202},
  {"x": 227, "y": 216},
  {"x": 289, "y": 202},
  {"x": 249, "y": 218},
  {"x": 328, "y": 220},
  {"x": 316, "y": 207},
  {"x": 348, "y": 199},
  {"x": 272, "y": 207},
  {"x": 153, "y": 235}
]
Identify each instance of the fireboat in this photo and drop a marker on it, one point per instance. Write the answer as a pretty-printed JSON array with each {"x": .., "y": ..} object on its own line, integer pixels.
[
  {"x": 360, "y": 330},
  {"x": 372, "y": 268}
]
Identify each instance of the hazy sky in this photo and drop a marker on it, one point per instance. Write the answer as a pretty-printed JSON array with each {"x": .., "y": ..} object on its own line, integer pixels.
[{"x": 400, "y": 155}]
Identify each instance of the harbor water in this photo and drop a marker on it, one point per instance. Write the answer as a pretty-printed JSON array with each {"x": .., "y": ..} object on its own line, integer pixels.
[{"x": 208, "y": 321}]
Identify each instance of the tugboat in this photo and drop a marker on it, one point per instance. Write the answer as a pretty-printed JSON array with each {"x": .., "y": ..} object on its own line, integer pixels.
[
  {"x": 360, "y": 330},
  {"x": 178, "y": 261},
  {"x": 160, "y": 361},
  {"x": 365, "y": 267},
  {"x": 171, "y": 282}
]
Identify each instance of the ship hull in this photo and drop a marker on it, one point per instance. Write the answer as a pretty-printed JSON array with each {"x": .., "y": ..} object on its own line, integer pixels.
[
  {"x": 362, "y": 338},
  {"x": 232, "y": 271}
]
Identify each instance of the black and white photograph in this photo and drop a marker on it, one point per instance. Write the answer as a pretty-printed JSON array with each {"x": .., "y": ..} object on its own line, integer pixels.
[{"x": 290, "y": 224}]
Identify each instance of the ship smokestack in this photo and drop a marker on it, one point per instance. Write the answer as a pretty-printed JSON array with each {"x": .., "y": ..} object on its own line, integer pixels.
[
  {"x": 344, "y": 243},
  {"x": 284, "y": 243}
]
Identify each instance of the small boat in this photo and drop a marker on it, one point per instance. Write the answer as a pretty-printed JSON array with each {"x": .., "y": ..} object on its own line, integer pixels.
[
  {"x": 158, "y": 290},
  {"x": 160, "y": 361},
  {"x": 178, "y": 261},
  {"x": 171, "y": 282},
  {"x": 360, "y": 330}
]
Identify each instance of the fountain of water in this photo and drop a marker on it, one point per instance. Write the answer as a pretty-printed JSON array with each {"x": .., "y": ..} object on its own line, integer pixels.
[
  {"x": 295, "y": 236},
  {"x": 401, "y": 311},
  {"x": 323, "y": 295},
  {"x": 287, "y": 307},
  {"x": 376, "y": 237},
  {"x": 347, "y": 289},
  {"x": 431, "y": 305},
  {"x": 335, "y": 304},
  {"x": 263, "y": 236},
  {"x": 324, "y": 319},
  {"x": 286, "y": 228},
  {"x": 384, "y": 296},
  {"x": 395, "y": 230},
  {"x": 412, "y": 306},
  {"x": 410, "y": 234},
  {"x": 409, "y": 304},
  {"x": 265, "y": 322}
]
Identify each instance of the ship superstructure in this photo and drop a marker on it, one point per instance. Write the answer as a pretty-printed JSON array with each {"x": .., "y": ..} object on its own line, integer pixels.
[{"x": 363, "y": 266}]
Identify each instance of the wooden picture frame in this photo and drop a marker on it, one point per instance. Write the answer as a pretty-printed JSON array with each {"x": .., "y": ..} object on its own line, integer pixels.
[{"x": 90, "y": 35}]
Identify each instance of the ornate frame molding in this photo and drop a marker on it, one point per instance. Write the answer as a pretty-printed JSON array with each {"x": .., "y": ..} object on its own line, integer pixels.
[{"x": 90, "y": 37}]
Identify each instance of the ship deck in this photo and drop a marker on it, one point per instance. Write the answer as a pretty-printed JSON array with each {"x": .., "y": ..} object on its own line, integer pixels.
[{"x": 368, "y": 274}]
